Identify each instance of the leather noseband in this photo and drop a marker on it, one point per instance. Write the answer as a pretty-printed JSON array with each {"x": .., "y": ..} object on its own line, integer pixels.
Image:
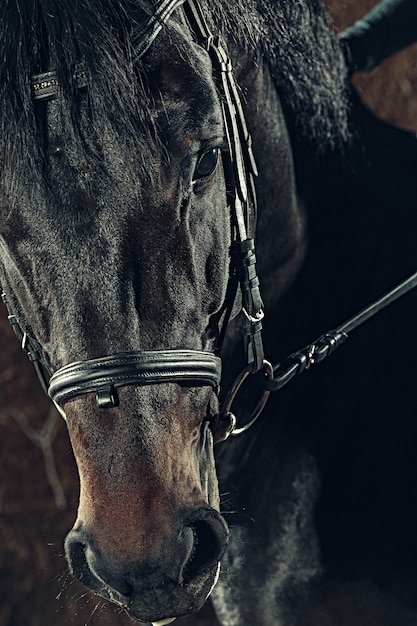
[{"x": 105, "y": 374}]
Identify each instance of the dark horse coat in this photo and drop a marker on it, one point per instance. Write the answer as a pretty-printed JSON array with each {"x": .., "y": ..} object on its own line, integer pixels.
[{"x": 112, "y": 240}]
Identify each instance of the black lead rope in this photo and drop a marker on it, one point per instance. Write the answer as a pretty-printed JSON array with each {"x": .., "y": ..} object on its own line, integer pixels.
[
  {"x": 279, "y": 375},
  {"x": 325, "y": 345}
]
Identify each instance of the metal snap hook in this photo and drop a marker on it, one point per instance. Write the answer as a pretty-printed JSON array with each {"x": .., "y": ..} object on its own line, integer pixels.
[{"x": 233, "y": 392}]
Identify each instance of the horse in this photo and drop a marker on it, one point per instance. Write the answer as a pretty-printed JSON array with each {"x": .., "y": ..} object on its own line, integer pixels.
[{"x": 129, "y": 195}]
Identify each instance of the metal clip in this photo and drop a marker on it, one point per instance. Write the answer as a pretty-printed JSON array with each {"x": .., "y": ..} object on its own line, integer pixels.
[
  {"x": 310, "y": 356},
  {"x": 254, "y": 319}
]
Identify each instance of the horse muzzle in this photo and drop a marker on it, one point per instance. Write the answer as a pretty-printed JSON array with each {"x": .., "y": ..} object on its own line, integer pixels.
[{"x": 174, "y": 582}]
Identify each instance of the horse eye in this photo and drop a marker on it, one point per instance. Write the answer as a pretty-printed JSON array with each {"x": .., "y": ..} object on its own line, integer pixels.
[{"x": 206, "y": 164}]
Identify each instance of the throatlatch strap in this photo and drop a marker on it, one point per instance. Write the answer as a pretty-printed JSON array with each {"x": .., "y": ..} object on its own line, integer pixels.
[{"x": 104, "y": 375}]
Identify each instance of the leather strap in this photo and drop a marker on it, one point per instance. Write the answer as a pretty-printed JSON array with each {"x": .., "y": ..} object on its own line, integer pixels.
[
  {"x": 143, "y": 38},
  {"x": 240, "y": 170},
  {"x": 104, "y": 375},
  {"x": 45, "y": 86},
  {"x": 29, "y": 344}
]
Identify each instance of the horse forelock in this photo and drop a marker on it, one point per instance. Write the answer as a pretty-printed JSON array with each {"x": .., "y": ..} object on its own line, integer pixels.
[{"x": 47, "y": 35}]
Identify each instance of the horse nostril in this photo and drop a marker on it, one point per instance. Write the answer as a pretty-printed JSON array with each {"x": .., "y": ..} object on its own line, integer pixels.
[
  {"x": 85, "y": 566},
  {"x": 208, "y": 546},
  {"x": 75, "y": 551},
  {"x": 199, "y": 545}
]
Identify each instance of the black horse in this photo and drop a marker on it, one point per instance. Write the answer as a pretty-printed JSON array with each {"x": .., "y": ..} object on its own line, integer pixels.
[{"x": 122, "y": 150}]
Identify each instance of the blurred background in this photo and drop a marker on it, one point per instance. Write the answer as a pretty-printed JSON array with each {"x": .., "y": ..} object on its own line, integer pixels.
[{"x": 390, "y": 89}]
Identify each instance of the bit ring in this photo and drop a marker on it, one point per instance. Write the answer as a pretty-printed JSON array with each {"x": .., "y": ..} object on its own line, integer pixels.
[{"x": 234, "y": 390}]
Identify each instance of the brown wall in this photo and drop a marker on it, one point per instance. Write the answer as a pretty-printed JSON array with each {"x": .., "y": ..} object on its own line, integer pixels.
[{"x": 390, "y": 90}]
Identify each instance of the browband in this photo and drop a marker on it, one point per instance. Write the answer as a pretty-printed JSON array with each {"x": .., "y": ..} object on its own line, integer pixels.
[
  {"x": 104, "y": 375},
  {"x": 143, "y": 38}
]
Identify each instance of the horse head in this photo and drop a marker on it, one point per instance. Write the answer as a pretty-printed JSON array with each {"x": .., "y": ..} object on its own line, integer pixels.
[
  {"x": 115, "y": 244},
  {"x": 129, "y": 252}
]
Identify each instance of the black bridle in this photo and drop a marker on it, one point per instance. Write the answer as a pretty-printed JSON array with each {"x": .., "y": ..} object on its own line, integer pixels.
[{"x": 103, "y": 376}]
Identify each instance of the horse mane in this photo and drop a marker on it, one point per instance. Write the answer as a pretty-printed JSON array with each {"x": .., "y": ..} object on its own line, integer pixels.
[
  {"x": 300, "y": 45},
  {"x": 39, "y": 35}
]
